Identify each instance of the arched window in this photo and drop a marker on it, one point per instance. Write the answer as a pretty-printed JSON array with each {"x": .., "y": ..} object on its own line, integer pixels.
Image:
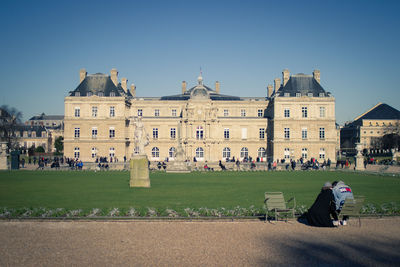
[
  {"x": 304, "y": 153},
  {"x": 261, "y": 152},
  {"x": 171, "y": 152},
  {"x": 94, "y": 152},
  {"x": 155, "y": 152},
  {"x": 199, "y": 132},
  {"x": 244, "y": 152},
  {"x": 76, "y": 152},
  {"x": 112, "y": 152},
  {"x": 199, "y": 153},
  {"x": 226, "y": 153}
]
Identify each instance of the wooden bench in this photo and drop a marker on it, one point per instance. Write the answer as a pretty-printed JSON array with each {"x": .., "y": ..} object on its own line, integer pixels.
[
  {"x": 352, "y": 207},
  {"x": 276, "y": 203}
]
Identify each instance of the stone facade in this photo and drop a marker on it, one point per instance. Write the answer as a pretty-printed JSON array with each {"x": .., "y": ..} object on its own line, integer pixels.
[
  {"x": 368, "y": 127},
  {"x": 214, "y": 126}
]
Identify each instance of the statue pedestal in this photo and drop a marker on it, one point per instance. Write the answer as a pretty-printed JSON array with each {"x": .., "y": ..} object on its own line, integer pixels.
[
  {"x": 360, "y": 163},
  {"x": 3, "y": 163},
  {"x": 177, "y": 167},
  {"x": 139, "y": 171}
]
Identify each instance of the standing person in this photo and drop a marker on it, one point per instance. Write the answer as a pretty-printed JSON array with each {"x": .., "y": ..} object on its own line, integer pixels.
[
  {"x": 324, "y": 206},
  {"x": 341, "y": 192}
]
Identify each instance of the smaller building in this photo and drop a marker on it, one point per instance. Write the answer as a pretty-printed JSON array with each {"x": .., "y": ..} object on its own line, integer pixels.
[
  {"x": 35, "y": 136},
  {"x": 369, "y": 127},
  {"x": 50, "y": 121}
]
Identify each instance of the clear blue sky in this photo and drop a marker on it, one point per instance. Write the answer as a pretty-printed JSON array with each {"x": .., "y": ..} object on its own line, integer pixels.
[{"x": 158, "y": 44}]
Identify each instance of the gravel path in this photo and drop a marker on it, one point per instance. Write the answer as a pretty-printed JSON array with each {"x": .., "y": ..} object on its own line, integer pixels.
[{"x": 243, "y": 243}]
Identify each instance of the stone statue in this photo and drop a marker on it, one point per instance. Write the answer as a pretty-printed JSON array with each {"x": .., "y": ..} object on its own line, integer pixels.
[{"x": 141, "y": 138}]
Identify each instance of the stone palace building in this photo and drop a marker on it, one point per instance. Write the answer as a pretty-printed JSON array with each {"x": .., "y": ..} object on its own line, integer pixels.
[{"x": 294, "y": 119}]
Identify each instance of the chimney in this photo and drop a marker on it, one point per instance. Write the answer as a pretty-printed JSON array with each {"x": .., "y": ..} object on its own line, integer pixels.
[
  {"x": 183, "y": 87},
  {"x": 114, "y": 76},
  {"x": 285, "y": 76},
  {"x": 317, "y": 76},
  {"x": 124, "y": 84},
  {"x": 133, "y": 90},
  {"x": 217, "y": 87},
  {"x": 277, "y": 84},
  {"x": 269, "y": 90},
  {"x": 82, "y": 75}
]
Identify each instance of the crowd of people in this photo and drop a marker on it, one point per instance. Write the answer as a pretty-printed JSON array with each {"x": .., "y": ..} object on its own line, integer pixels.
[{"x": 328, "y": 205}]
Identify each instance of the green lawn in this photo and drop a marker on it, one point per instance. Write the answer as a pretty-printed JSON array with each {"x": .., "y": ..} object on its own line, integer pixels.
[{"x": 86, "y": 190}]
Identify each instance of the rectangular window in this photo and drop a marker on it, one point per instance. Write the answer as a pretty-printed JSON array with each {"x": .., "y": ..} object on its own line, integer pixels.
[
  {"x": 77, "y": 112},
  {"x": 173, "y": 113},
  {"x": 286, "y": 94},
  {"x": 77, "y": 93},
  {"x": 155, "y": 133},
  {"x": 262, "y": 133},
  {"x": 112, "y": 93},
  {"x": 173, "y": 133},
  {"x": 310, "y": 94},
  {"x": 94, "y": 132},
  {"x": 244, "y": 133},
  {"x": 304, "y": 112},
  {"x": 94, "y": 112},
  {"x": 226, "y": 113},
  {"x": 112, "y": 111},
  {"x": 298, "y": 94},
  {"x": 287, "y": 133},
  {"x": 157, "y": 113},
  {"x": 286, "y": 153},
  {"x": 321, "y": 95},
  {"x": 321, "y": 133},
  {"x": 112, "y": 132},
  {"x": 304, "y": 133},
  {"x": 286, "y": 113},
  {"x": 260, "y": 113},
  {"x": 243, "y": 113},
  {"x": 322, "y": 112},
  {"x": 77, "y": 132},
  {"x": 140, "y": 112},
  {"x": 226, "y": 133}
]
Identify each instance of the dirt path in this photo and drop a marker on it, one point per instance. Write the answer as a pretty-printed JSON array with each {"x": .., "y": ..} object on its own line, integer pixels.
[{"x": 254, "y": 243}]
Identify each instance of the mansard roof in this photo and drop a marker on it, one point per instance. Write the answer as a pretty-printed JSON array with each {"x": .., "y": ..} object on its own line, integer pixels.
[
  {"x": 47, "y": 117},
  {"x": 301, "y": 83},
  {"x": 380, "y": 111},
  {"x": 99, "y": 83},
  {"x": 28, "y": 128},
  {"x": 213, "y": 95}
]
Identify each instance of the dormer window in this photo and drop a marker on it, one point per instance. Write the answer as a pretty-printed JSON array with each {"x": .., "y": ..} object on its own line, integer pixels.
[
  {"x": 100, "y": 94},
  {"x": 77, "y": 93},
  {"x": 112, "y": 93},
  {"x": 298, "y": 94},
  {"x": 321, "y": 95},
  {"x": 89, "y": 94},
  {"x": 286, "y": 94},
  {"x": 310, "y": 94}
]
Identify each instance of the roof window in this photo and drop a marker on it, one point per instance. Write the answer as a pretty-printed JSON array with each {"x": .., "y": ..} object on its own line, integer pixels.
[
  {"x": 286, "y": 94},
  {"x": 321, "y": 95},
  {"x": 310, "y": 94},
  {"x": 77, "y": 93},
  {"x": 298, "y": 94},
  {"x": 89, "y": 93},
  {"x": 100, "y": 94},
  {"x": 112, "y": 93}
]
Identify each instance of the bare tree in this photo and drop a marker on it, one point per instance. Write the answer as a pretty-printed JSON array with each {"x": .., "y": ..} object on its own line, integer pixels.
[{"x": 10, "y": 118}]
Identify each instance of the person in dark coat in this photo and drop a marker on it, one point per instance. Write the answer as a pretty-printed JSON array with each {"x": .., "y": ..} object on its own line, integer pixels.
[{"x": 324, "y": 206}]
